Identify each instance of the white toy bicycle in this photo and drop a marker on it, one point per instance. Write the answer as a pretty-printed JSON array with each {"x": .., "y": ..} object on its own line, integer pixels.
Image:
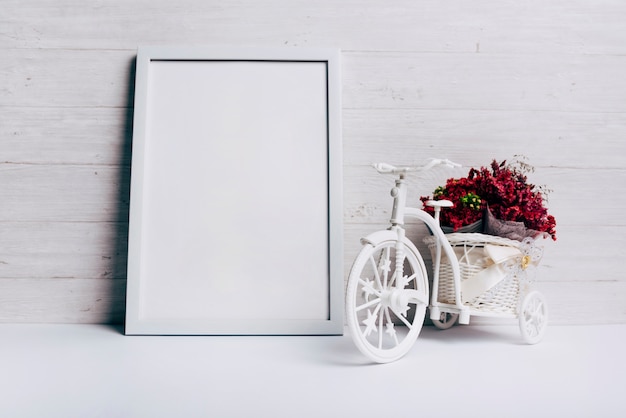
[{"x": 473, "y": 274}]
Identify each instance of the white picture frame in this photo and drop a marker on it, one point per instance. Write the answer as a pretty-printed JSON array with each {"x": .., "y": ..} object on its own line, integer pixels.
[{"x": 235, "y": 224}]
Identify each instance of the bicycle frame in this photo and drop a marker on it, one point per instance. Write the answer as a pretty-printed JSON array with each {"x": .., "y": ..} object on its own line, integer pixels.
[
  {"x": 399, "y": 213},
  {"x": 376, "y": 302}
]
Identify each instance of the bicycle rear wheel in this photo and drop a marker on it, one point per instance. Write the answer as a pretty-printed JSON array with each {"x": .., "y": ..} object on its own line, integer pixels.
[
  {"x": 533, "y": 317},
  {"x": 446, "y": 320},
  {"x": 386, "y": 308}
]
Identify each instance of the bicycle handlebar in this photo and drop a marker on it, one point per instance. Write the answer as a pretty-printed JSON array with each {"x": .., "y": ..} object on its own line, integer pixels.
[{"x": 385, "y": 168}]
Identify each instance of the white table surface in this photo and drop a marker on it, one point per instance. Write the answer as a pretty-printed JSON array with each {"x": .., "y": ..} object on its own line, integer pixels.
[{"x": 470, "y": 371}]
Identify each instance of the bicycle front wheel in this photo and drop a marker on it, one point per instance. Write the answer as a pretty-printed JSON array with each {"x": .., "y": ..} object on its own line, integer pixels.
[{"x": 385, "y": 307}]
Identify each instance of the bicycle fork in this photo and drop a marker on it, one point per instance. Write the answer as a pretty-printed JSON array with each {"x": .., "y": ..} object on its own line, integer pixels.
[
  {"x": 398, "y": 192},
  {"x": 398, "y": 299}
]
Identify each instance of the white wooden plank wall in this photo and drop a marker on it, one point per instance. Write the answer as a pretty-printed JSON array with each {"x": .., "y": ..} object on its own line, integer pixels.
[{"x": 469, "y": 81}]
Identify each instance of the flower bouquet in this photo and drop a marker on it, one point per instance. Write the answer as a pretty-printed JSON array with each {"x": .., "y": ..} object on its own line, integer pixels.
[
  {"x": 504, "y": 216},
  {"x": 496, "y": 200}
]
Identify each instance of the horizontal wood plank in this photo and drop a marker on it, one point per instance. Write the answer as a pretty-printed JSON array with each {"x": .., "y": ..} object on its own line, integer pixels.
[
  {"x": 91, "y": 250},
  {"x": 62, "y": 135},
  {"x": 529, "y": 27},
  {"x": 578, "y": 197},
  {"x": 62, "y": 301},
  {"x": 577, "y": 83},
  {"x": 405, "y": 80},
  {"x": 67, "y": 78},
  {"x": 101, "y": 193},
  {"x": 570, "y": 259},
  {"x": 75, "y": 250},
  {"x": 473, "y": 136},
  {"x": 102, "y": 136},
  {"x": 33, "y": 192}
]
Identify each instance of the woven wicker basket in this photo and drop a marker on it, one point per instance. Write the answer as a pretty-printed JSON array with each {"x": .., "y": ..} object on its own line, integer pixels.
[{"x": 469, "y": 248}]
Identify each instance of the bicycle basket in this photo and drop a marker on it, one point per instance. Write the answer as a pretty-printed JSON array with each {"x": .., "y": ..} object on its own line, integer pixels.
[{"x": 488, "y": 282}]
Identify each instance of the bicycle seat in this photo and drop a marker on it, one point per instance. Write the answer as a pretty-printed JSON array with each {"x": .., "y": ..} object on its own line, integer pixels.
[{"x": 440, "y": 203}]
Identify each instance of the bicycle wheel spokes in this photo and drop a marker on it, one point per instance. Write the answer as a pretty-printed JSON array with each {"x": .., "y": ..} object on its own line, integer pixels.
[
  {"x": 380, "y": 266},
  {"x": 384, "y": 265},
  {"x": 370, "y": 322},
  {"x": 390, "y": 327},
  {"x": 368, "y": 304},
  {"x": 369, "y": 288},
  {"x": 382, "y": 329},
  {"x": 405, "y": 321}
]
